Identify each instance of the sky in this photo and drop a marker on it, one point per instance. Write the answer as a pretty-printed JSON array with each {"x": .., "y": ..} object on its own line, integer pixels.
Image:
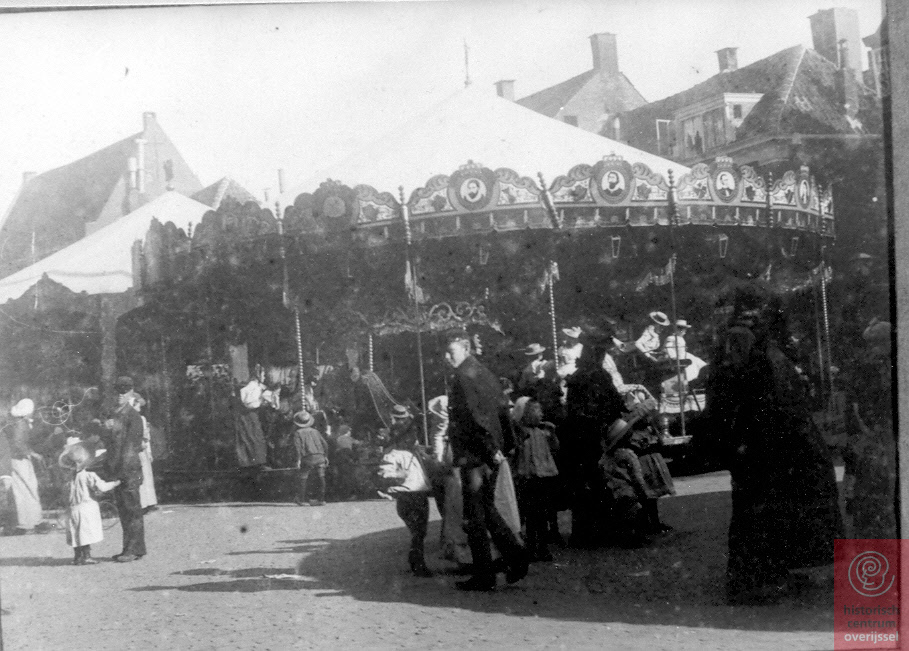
[{"x": 245, "y": 90}]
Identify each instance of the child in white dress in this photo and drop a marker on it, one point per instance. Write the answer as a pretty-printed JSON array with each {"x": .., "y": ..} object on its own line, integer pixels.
[{"x": 84, "y": 522}]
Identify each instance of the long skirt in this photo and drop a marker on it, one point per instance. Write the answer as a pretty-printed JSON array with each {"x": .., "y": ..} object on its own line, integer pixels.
[
  {"x": 656, "y": 474},
  {"x": 251, "y": 446},
  {"x": 84, "y": 525},
  {"x": 25, "y": 494},
  {"x": 147, "y": 495}
]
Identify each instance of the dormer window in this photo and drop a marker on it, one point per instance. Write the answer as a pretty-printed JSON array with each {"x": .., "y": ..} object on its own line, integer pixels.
[{"x": 737, "y": 111}]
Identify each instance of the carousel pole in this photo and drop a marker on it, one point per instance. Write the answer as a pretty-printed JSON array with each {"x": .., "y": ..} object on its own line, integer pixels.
[
  {"x": 549, "y": 204},
  {"x": 673, "y": 222},
  {"x": 405, "y": 214},
  {"x": 371, "y": 363},
  {"x": 826, "y": 313},
  {"x": 286, "y": 292}
]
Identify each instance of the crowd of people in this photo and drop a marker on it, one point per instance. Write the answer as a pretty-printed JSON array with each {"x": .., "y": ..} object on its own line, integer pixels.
[{"x": 508, "y": 454}]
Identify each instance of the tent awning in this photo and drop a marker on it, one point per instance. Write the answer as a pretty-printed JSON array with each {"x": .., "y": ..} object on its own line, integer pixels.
[{"x": 101, "y": 263}]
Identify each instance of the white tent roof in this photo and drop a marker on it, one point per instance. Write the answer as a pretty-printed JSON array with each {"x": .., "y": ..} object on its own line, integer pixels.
[
  {"x": 480, "y": 126},
  {"x": 101, "y": 263}
]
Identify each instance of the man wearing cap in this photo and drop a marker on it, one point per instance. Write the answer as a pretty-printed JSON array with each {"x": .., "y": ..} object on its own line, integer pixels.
[
  {"x": 312, "y": 454},
  {"x": 403, "y": 426},
  {"x": 123, "y": 464},
  {"x": 478, "y": 411}
]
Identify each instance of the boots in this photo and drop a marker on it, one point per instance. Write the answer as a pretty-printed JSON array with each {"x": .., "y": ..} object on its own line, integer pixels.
[
  {"x": 87, "y": 556},
  {"x": 418, "y": 564}
]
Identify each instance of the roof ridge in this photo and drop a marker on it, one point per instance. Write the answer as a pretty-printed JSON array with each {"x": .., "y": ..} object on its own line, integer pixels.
[
  {"x": 795, "y": 72},
  {"x": 223, "y": 184}
]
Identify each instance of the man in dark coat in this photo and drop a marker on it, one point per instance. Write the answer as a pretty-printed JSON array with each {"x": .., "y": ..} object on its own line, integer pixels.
[
  {"x": 477, "y": 411},
  {"x": 123, "y": 463}
]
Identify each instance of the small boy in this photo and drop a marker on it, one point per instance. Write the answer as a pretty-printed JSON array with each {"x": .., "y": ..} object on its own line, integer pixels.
[
  {"x": 536, "y": 470},
  {"x": 312, "y": 454}
]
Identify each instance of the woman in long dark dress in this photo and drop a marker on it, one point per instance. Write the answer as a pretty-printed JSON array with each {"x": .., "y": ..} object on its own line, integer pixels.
[
  {"x": 592, "y": 405},
  {"x": 785, "y": 513}
]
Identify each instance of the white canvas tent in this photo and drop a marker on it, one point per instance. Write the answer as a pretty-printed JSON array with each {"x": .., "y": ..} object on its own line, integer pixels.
[
  {"x": 101, "y": 263},
  {"x": 479, "y": 126}
]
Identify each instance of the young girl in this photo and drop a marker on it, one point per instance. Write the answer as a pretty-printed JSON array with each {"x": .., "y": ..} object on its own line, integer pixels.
[
  {"x": 84, "y": 513},
  {"x": 535, "y": 469}
]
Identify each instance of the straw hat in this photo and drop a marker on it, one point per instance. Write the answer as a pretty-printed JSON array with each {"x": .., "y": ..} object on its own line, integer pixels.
[
  {"x": 534, "y": 349},
  {"x": 574, "y": 332},
  {"x": 682, "y": 323},
  {"x": 400, "y": 412},
  {"x": 303, "y": 419},
  {"x": 23, "y": 409},
  {"x": 659, "y": 318},
  {"x": 75, "y": 457},
  {"x": 618, "y": 430}
]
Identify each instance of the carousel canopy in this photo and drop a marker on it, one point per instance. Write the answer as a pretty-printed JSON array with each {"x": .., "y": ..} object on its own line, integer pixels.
[
  {"x": 476, "y": 126},
  {"x": 102, "y": 263}
]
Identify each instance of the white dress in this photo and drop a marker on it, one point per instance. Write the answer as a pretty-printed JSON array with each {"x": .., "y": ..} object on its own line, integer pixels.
[
  {"x": 84, "y": 526},
  {"x": 147, "y": 495}
]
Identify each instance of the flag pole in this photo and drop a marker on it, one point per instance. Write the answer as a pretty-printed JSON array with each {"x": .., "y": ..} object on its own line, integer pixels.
[
  {"x": 673, "y": 222},
  {"x": 405, "y": 215}
]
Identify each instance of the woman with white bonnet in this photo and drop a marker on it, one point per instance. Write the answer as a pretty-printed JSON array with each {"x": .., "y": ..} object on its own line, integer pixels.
[{"x": 25, "y": 483}]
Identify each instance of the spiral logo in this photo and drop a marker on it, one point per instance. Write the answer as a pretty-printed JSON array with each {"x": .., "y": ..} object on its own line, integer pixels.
[{"x": 868, "y": 574}]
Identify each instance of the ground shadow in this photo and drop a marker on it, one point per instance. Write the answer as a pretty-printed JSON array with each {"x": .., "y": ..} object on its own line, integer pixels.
[
  {"x": 34, "y": 561},
  {"x": 677, "y": 581}
]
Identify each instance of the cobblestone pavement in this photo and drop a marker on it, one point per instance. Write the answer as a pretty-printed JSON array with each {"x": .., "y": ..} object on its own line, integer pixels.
[{"x": 342, "y": 582}]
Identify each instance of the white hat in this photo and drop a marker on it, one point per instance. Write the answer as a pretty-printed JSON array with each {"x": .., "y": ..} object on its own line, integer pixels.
[
  {"x": 659, "y": 318},
  {"x": 438, "y": 406},
  {"x": 574, "y": 332},
  {"x": 534, "y": 349},
  {"x": 23, "y": 408},
  {"x": 682, "y": 323}
]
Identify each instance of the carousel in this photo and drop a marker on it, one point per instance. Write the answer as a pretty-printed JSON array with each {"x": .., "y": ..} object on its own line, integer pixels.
[{"x": 480, "y": 215}]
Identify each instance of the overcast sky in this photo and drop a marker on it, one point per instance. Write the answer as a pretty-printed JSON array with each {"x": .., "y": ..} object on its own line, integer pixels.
[{"x": 245, "y": 90}]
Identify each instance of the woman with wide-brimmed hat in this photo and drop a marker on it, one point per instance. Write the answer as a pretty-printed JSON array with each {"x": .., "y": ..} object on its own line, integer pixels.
[{"x": 84, "y": 527}]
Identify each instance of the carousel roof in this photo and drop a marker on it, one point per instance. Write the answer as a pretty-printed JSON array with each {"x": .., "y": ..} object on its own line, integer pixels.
[
  {"x": 476, "y": 126},
  {"x": 102, "y": 263}
]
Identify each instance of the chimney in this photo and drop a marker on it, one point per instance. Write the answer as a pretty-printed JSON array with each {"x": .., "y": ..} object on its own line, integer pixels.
[
  {"x": 505, "y": 88},
  {"x": 28, "y": 176},
  {"x": 728, "y": 59},
  {"x": 132, "y": 166},
  {"x": 831, "y": 26},
  {"x": 148, "y": 119},
  {"x": 846, "y": 85},
  {"x": 140, "y": 165},
  {"x": 605, "y": 53}
]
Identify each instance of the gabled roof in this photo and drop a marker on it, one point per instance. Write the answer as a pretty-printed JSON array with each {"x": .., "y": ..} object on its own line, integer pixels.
[
  {"x": 102, "y": 262},
  {"x": 476, "y": 125},
  {"x": 799, "y": 88},
  {"x": 226, "y": 188},
  {"x": 57, "y": 203},
  {"x": 618, "y": 93}
]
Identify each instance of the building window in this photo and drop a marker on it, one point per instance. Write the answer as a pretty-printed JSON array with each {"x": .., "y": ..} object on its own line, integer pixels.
[
  {"x": 570, "y": 119},
  {"x": 664, "y": 139},
  {"x": 693, "y": 137},
  {"x": 737, "y": 111},
  {"x": 714, "y": 129}
]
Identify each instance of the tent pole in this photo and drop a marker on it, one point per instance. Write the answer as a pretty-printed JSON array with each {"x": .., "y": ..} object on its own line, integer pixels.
[
  {"x": 405, "y": 214},
  {"x": 673, "y": 219}
]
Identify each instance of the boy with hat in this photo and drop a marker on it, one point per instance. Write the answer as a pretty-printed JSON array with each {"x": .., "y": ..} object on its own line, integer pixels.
[
  {"x": 312, "y": 454},
  {"x": 84, "y": 526}
]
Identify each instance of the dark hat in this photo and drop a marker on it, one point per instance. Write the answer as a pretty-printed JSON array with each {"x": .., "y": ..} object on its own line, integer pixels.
[
  {"x": 303, "y": 419},
  {"x": 124, "y": 384},
  {"x": 456, "y": 334}
]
